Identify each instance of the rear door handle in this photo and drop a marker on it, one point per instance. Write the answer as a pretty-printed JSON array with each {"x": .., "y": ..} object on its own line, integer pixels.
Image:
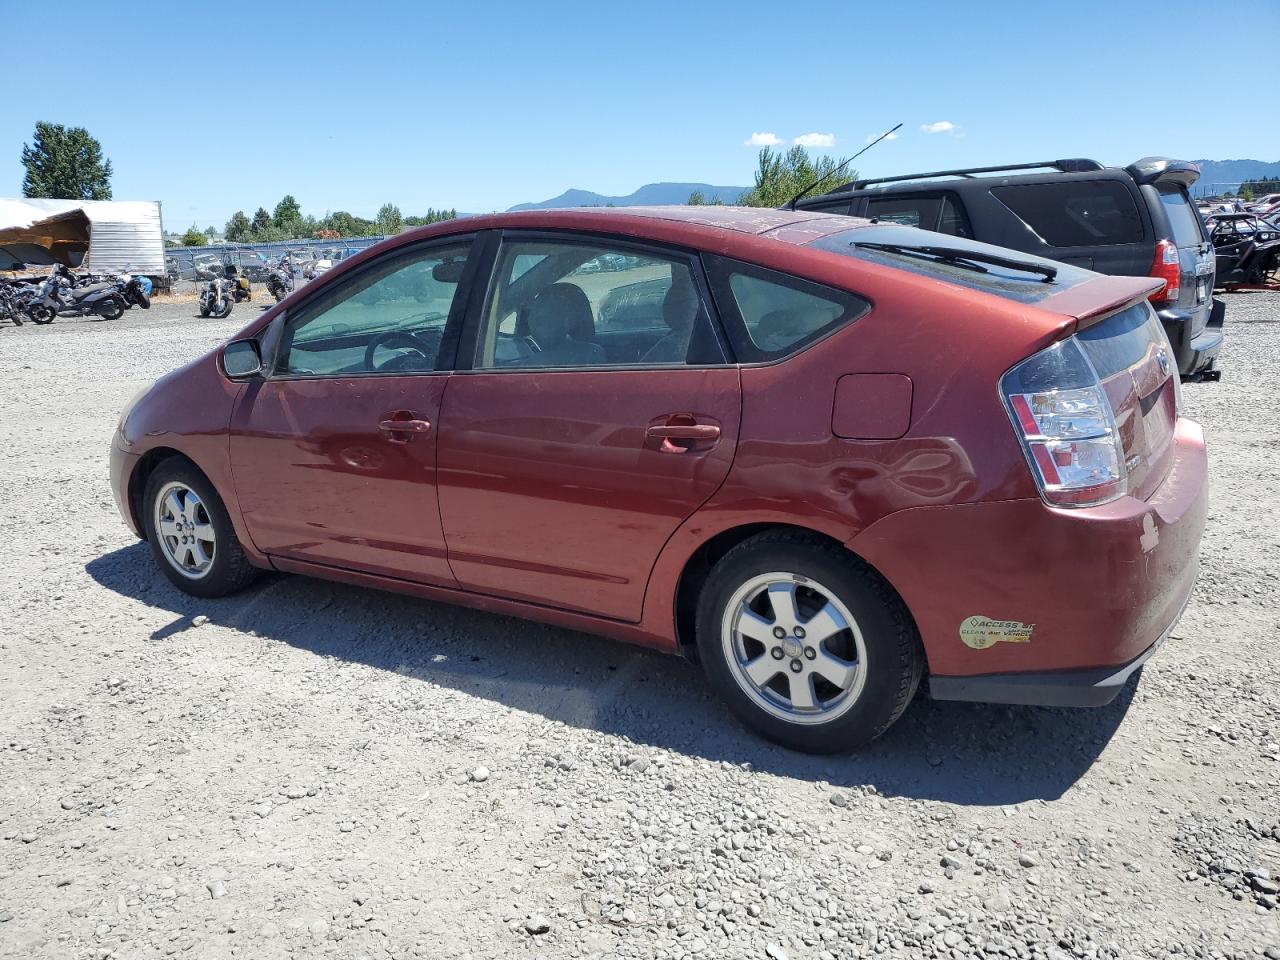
[
  {"x": 394, "y": 427},
  {"x": 684, "y": 431}
]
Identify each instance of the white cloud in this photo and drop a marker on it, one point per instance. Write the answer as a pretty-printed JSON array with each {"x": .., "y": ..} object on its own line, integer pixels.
[
  {"x": 816, "y": 140},
  {"x": 942, "y": 126},
  {"x": 873, "y": 137},
  {"x": 762, "y": 140}
]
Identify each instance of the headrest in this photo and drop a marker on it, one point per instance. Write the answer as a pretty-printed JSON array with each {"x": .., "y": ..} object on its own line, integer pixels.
[{"x": 555, "y": 311}]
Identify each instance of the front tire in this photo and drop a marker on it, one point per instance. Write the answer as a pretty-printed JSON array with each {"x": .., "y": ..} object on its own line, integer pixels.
[
  {"x": 807, "y": 645},
  {"x": 223, "y": 307},
  {"x": 191, "y": 534}
]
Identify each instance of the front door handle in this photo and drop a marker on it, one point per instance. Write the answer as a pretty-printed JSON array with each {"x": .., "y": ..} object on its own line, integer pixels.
[{"x": 680, "y": 431}]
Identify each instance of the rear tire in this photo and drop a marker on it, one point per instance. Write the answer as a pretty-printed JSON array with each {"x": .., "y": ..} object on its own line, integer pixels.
[
  {"x": 109, "y": 308},
  {"x": 841, "y": 670},
  {"x": 185, "y": 519}
]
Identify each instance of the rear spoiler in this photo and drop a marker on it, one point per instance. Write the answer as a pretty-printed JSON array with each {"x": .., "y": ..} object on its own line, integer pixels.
[
  {"x": 1157, "y": 170},
  {"x": 1100, "y": 297}
]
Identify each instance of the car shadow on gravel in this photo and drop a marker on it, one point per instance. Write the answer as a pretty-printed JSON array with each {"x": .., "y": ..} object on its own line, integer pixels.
[{"x": 962, "y": 753}]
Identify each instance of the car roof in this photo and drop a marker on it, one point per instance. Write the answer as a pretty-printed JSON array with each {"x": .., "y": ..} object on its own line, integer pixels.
[{"x": 694, "y": 225}]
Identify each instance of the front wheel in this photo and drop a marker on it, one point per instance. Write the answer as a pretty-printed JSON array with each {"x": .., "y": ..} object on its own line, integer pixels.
[
  {"x": 191, "y": 533},
  {"x": 41, "y": 314},
  {"x": 223, "y": 307},
  {"x": 807, "y": 645}
]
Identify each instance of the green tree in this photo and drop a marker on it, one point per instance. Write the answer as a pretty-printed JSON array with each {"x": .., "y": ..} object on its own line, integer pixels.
[
  {"x": 389, "y": 220},
  {"x": 261, "y": 220},
  {"x": 696, "y": 199},
  {"x": 431, "y": 216},
  {"x": 1246, "y": 192},
  {"x": 194, "y": 237},
  {"x": 239, "y": 229},
  {"x": 210, "y": 231},
  {"x": 65, "y": 163},
  {"x": 780, "y": 176},
  {"x": 287, "y": 214},
  {"x": 346, "y": 225}
]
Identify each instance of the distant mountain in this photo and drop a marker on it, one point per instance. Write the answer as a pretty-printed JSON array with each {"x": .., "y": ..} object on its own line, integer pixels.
[
  {"x": 1219, "y": 175},
  {"x": 650, "y": 195}
]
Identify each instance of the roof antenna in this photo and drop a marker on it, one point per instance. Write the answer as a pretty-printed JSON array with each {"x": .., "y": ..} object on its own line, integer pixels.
[{"x": 791, "y": 204}]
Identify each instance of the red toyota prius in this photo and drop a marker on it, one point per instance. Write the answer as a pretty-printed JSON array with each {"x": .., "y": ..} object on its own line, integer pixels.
[{"x": 828, "y": 458}]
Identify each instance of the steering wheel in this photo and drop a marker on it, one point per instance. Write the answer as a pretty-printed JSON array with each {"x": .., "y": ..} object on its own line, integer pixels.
[{"x": 398, "y": 339}]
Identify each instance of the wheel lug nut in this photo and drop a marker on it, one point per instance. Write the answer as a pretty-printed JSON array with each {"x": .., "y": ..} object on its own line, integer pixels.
[
  {"x": 779, "y": 632},
  {"x": 777, "y": 653},
  {"x": 810, "y": 653},
  {"x": 799, "y": 633},
  {"x": 796, "y": 666}
]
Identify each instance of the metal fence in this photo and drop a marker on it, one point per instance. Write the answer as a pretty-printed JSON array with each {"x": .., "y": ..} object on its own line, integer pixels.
[{"x": 185, "y": 260}]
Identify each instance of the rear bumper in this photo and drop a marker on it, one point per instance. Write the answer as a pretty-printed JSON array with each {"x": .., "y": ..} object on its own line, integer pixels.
[
  {"x": 1020, "y": 602},
  {"x": 1050, "y": 688},
  {"x": 1196, "y": 350}
]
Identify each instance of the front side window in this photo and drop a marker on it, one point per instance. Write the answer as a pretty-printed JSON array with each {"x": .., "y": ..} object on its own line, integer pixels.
[
  {"x": 567, "y": 304},
  {"x": 389, "y": 318},
  {"x": 1075, "y": 213},
  {"x": 773, "y": 314}
]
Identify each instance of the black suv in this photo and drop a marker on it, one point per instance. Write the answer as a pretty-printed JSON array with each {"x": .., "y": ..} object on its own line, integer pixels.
[{"x": 1131, "y": 221}]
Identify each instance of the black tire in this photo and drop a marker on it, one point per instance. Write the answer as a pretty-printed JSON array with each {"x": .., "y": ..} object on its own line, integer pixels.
[
  {"x": 109, "y": 308},
  {"x": 204, "y": 307},
  {"x": 894, "y": 658},
  {"x": 230, "y": 570},
  {"x": 223, "y": 307},
  {"x": 41, "y": 315},
  {"x": 143, "y": 300}
]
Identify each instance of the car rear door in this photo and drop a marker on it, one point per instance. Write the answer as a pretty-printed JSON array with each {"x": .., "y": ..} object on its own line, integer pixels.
[
  {"x": 574, "y": 448},
  {"x": 334, "y": 453}
]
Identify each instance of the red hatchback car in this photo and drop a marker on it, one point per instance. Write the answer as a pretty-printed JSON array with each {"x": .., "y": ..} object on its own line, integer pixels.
[{"x": 825, "y": 457}]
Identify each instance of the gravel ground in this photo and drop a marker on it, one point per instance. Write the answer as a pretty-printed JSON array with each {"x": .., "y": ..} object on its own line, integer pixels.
[{"x": 316, "y": 770}]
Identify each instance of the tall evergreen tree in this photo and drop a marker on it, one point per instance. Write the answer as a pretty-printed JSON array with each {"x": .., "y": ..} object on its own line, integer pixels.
[{"x": 65, "y": 163}]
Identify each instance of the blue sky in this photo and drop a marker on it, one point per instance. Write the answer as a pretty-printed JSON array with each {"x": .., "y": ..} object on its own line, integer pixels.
[{"x": 216, "y": 107}]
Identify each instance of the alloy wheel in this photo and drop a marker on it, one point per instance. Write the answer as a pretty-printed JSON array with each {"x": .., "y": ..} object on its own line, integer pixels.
[
  {"x": 184, "y": 530},
  {"x": 794, "y": 648}
]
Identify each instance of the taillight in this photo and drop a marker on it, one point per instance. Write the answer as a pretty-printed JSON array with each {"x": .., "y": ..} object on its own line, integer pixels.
[
  {"x": 1067, "y": 427},
  {"x": 1168, "y": 267}
]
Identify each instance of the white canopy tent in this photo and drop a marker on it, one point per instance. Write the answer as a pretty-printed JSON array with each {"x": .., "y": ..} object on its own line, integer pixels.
[{"x": 103, "y": 235}]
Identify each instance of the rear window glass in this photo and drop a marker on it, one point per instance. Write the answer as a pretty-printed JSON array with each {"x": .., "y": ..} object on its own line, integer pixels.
[
  {"x": 1183, "y": 219},
  {"x": 1075, "y": 213},
  {"x": 1121, "y": 340},
  {"x": 1004, "y": 282}
]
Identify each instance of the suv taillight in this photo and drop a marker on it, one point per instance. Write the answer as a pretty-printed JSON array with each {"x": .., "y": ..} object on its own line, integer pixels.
[
  {"x": 1167, "y": 267},
  {"x": 1066, "y": 425}
]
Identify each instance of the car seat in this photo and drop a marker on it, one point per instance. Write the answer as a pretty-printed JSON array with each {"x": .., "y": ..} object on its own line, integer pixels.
[{"x": 554, "y": 313}]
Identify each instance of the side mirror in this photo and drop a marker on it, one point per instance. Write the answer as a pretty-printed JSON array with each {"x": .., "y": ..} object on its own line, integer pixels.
[{"x": 241, "y": 359}]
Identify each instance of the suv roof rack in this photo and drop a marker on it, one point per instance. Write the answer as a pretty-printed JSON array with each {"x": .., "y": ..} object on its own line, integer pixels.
[{"x": 1070, "y": 165}]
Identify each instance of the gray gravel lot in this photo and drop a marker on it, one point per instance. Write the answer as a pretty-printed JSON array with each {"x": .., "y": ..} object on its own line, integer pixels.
[{"x": 317, "y": 770}]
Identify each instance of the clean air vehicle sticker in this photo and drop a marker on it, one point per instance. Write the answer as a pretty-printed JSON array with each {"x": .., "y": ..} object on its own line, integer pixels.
[{"x": 983, "y": 632}]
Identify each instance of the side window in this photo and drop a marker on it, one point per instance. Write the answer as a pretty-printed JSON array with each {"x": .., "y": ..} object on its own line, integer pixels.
[
  {"x": 771, "y": 315},
  {"x": 953, "y": 220},
  {"x": 907, "y": 211},
  {"x": 1075, "y": 213},
  {"x": 389, "y": 318},
  {"x": 567, "y": 304}
]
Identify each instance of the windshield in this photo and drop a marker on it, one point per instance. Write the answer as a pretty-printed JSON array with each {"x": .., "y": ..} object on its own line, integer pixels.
[
  {"x": 1183, "y": 219},
  {"x": 1024, "y": 286}
]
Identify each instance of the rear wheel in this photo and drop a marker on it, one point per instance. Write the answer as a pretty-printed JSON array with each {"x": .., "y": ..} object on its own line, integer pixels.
[
  {"x": 109, "y": 308},
  {"x": 191, "y": 533},
  {"x": 807, "y": 645}
]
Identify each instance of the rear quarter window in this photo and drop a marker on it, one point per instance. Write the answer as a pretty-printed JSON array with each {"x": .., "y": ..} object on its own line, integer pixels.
[
  {"x": 770, "y": 315},
  {"x": 1075, "y": 213}
]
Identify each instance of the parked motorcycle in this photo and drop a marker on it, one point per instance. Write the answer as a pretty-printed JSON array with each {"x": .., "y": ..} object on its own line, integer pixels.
[
  {"x": 9, "y": 309},
  {"x": 137, "y": 289},
  {"x": 280, "y": 277},
  {"x": 59, "y": 294},
  {"x": 216, "y": 298}
]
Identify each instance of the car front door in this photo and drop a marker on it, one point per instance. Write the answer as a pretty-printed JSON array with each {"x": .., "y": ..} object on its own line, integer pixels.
[
  {"x": 598, "y": 415},
  {"x": 334, "y": 453}
]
